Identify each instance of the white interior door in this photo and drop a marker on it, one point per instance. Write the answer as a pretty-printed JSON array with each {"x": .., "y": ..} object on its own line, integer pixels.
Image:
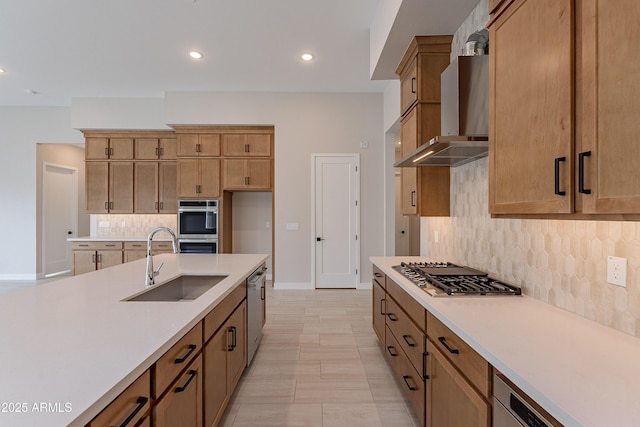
[
  {"x": 336, "y": 240},
  {"x": 60, "y": 216}
]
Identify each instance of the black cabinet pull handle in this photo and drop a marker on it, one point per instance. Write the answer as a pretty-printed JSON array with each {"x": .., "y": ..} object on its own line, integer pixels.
[
  {"x": 392, "y": 317},
  {"x": 192, "y": 348},
  {"x": 141, "y": 401},
  {"x": 413, "y": 199},
  {"x": 106, "y": 151},
  {"x": 192, "y": 375},
  {"x": 581, "y": 157},
  {"x": 263, "y": 293},
  {"x": 413, "y": 85},
  {"x": 157, "y": 152},
  {"x": 443, "y": 340},
  {"x": 377, "y": 274},
  {"x": 557, "y": 176},
  {"x": 392, "y": 353},
  {"x": 232, "y": 331},
  {"x": 406, "y": 381},
  {"x": 111, "y": 151},
  {"x": 424, "y": 365},
  {"x": 406, "y": 339},
  {"x": 382, "y": 308}
]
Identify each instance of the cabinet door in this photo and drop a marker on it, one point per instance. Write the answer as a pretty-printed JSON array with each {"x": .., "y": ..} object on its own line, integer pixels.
[
  {"x": 146, "y": 148},
  {"x": 187, "y": 145},
  {"x": 168, "y": 148},
  {"x": 451, "y": 401},
  {"x": 96, "y": 148},
  {"x": 209, "y": 145},
  {"x": 409, "y": 176},
  {"x": 108, "y": 258},
  {"x": 258, "y": 174},
  {"x": 167, "y": 183},
  {"x": 129, "y": 407},
  {"x": 209, "y": 178},
  {"x": 182, "y": 405},
  {"x": 234, "y": 173},
  {"x": 133, "y": 255},
  {"x": 145, "y": 195},
  {"x": 216, "y": 383},
  {"x": 84, "y": 262},
  {"x": 188, "y": 178},
  {"x": 531, "y": 108},
  {"x": 121, "y": 148},
  {"x": 97, "y": 186},
  {"x": 409, "y": 86},
  {"x": 237, "y": 326},
  {"x": 120, "y": 187},
  {"x": 610, "y": 106},
  {"x": 379, "y": 310}
]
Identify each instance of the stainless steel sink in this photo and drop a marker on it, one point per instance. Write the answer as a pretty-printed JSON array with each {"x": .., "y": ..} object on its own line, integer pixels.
[{"x": 183, "y": 288}]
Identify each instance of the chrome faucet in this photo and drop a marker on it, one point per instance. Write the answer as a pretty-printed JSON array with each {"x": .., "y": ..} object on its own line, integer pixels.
[{"x": 151, "y": 273}]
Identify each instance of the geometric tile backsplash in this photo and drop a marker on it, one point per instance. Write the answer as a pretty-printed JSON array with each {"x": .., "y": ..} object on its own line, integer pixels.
[{"x": 561, "y": 262}]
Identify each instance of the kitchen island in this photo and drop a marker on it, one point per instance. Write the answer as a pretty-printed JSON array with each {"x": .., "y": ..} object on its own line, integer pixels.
[
  {"x": 579, "y": 371},
  {"x": 71, "y": 346}
]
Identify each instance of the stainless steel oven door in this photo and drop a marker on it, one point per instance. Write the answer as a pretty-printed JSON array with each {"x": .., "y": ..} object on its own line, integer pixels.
[
  {"x": 198, "y": 246},
  {"x": 198, "y": 222}
]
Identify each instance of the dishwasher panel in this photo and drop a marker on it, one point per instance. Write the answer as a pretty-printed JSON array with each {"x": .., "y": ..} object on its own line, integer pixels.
[{"x": 255, "y": 292}]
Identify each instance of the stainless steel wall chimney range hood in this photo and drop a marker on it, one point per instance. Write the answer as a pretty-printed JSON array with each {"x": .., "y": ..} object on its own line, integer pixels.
[{"x": 464, "y": 117}]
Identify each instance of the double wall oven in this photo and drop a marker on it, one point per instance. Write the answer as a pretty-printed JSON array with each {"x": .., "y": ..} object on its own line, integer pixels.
[{"x": 198, "y": 226}]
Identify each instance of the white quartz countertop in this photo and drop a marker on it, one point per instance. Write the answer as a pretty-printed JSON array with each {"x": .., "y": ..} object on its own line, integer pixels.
[
  {"x": 581, "y": 372},
  {"x": 69, "y": 347}
]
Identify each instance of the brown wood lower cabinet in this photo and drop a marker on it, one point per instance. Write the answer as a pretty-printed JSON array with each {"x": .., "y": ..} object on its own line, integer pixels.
[
  {"x": 182, "y": 404},
  {"x": 451, "y": 400},
  {"x": 379, "y": 310},
  {"x": 131, "y": 406},
  {"x": 225, "y": 358},
  {"x": 92, "y": 256}
]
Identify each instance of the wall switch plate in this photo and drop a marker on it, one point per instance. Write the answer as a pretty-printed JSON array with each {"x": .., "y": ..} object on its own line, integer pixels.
[
  {"x": 104, "y": 224},
  {"x": 617, "y": 271},
  {"x": 293, "y": 226},
  {"x": 364, "y": 144}
]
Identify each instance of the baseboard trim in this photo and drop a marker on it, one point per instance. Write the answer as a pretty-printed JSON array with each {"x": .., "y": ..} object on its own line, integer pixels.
[
  {"x": 365, "y": 286},
  {"x": 293, "y": 286},
  {"x": 18, "y": 276}
]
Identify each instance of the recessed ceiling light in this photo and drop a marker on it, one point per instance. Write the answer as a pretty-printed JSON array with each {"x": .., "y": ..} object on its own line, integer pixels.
[
  {"x": 307, "y": 56},
  {"x": 2, "y": 70},
  {"x": 195, "y": 54}
]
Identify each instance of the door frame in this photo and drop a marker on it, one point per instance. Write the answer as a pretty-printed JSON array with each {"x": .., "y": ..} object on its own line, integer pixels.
[
  {"x": 312, "y": 239},
  {"x": 74, "y": 211}
]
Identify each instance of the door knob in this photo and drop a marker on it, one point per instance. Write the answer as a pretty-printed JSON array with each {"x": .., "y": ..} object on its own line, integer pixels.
[
  {"x": 69, "y": 232},
  {"x": 319, "y": 239}
]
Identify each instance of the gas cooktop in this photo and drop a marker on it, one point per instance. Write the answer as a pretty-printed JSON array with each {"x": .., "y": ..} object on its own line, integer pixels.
[{"x": 446, "y": 279}]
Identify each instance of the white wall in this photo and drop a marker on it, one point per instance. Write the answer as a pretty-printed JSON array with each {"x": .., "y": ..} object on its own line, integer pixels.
[
  {"x": 21, "y": 128},
  {"x": 305, "y": 123}
]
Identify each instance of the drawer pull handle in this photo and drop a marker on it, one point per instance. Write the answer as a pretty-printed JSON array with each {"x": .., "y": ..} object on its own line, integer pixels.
[
  {"x": 409, "y": 343},
  {"x": 406, "y": 381},
  {"x": 392, "y": 317},
  {"x": 392, "y": 353},
  {"x": 413, "y": 85},
  {"x": 382, "y": 300},
  {"x": 443, "y": 340},
  {"x": 377, "y": 274},
  {"x": 232, "y": 331},
  {"x": 192, "y": 348},
  {"x": 141, "y": 401},
  {"x": 192, "y": 375},
  {"x": 263, "y": 294}
]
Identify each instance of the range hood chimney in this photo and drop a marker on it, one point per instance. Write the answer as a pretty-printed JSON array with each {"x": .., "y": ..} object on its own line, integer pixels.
[{"x": 464, "y": 117}]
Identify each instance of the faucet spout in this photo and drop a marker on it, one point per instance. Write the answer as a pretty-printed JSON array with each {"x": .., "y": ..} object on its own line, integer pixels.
[{"x": 151, "y": 273}]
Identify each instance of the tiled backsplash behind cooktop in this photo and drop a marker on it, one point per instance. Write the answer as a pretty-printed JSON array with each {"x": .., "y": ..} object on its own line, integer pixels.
[{"x": 562, "y": 262}]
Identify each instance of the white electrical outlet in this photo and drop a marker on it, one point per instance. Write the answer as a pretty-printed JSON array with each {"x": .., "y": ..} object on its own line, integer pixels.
[
  {"x": 617, "y": 271},
  {"x": 436, "y": 236}
]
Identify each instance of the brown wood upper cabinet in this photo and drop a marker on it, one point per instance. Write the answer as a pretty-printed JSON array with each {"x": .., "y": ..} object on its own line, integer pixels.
[
  {"x": 155, "y": 148},
  {"x": 424, "y": 190},
  {"x": 563, "y": 116},
  {"x": 247, "y": 145},
  {"x": 199, "y": 145},
  {"x": 105, "y": 148}
]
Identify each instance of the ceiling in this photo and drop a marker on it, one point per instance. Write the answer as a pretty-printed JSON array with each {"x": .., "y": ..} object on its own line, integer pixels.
[{"x": 139, "y": 48}]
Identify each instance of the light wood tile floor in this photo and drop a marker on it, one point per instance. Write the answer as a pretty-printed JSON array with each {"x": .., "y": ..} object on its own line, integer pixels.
[{"x": 319, "y": 364}]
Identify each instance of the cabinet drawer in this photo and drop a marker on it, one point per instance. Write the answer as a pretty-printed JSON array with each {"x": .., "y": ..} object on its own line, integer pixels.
[
  {"x": 157, "y": 246},
  {"x": 222, "y": 311},
  {"x": 176, "y": 358},
  {"x": 408, "y": 335},
  {"x": 464, "y": 358},
  {"x": 130, "y": 406},
  {"x": 379, "y": 277},
  {"x": 182, "y": 404},
  {"x": 96, "y": 246},
  {"x": 411, "y": 382},
  {"x": 408, "y": 304}
]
